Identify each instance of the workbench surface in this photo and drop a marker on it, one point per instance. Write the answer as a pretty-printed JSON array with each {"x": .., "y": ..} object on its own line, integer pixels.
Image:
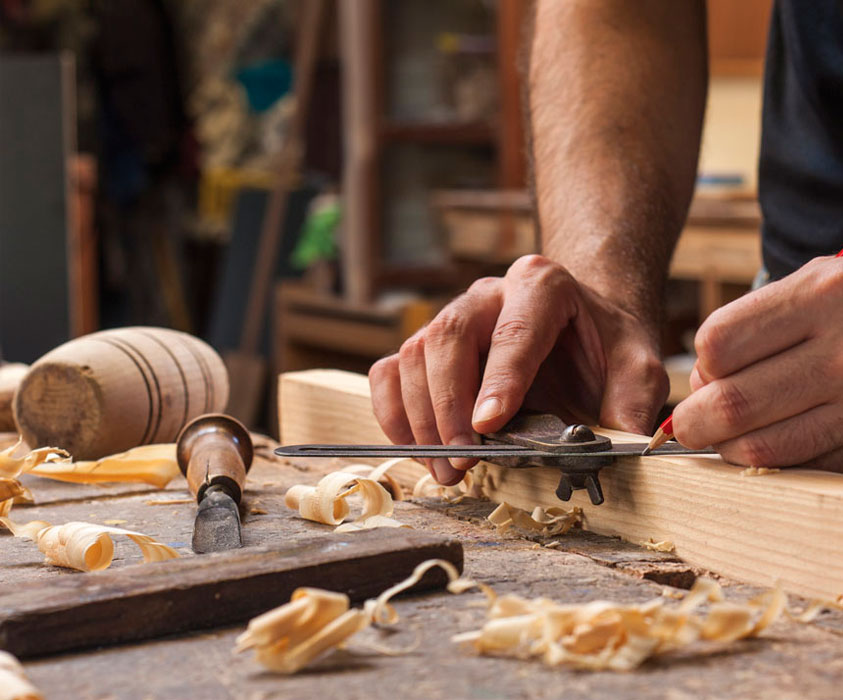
[{"x": 791, "y": 660}]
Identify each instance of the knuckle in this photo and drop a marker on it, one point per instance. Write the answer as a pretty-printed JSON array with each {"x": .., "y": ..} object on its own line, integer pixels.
[
  {"x": 449, "y": 324},
  {"x": 708, "y": 341},
  {"x": 484, "y": 286},
  {"x": 532, "y": 266},
  {"x": 731, "y": 404},
  {"x": 445, "y": 403},
  {"x": 827, "y": 279},
  {"x": 384, "y": 367},
  {"x": 516, "y": 331},
  {"x": 425, "y": 430},
  {"x": 412, "y": 348},
  {"x": 391, "y": 418},
  {"x": 755, "y": 451}
]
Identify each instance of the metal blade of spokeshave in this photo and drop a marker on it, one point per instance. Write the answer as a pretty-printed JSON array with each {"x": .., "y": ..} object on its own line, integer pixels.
[
  {"x": 217, "y": 524},
  {"x": 485, "y": 451}
]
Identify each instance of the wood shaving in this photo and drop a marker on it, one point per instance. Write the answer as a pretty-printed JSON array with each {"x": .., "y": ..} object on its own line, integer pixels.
[
  {"x": 148, "y": 464},
  {"x": 604, "y": 635},
  {"x": 290, "y": 637},
  {"x": 327, "y": 501},
  {"x": 315, "y": 621},
  {"x": 662, "y": 546},
  {"x": 599, "y": 635},
  {"x": 84, "y": 546},
  {"x": 254, "y": 510},
  {"x": 546, "y": 521},
  {"x": 427, "y": 487},
  {"x": 12, "y": 466},
  {"x": 11, "y": 492},
  {"x": 14, "y": 685},
  {"x": 759, "y": 471},
  {"x": 382, "y": 476}
]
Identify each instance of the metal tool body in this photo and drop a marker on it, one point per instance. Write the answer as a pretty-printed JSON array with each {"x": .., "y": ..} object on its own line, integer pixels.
[
  {"x": 215, "y": 452},
  {"x": 528, "y": 440}
]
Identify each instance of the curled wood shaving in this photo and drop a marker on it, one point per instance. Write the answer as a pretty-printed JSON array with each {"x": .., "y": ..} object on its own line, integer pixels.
[
  {"x": 14, "y": 685},
  {"x": 606, "y": 635},
  {"x": 759, "y": 471},
  {"x": 11, "y": 492},
  {"x": 290, "y": 637},
  {"x": 661, "y": 546},
  {"x": 382, "y": 476},
  {"x": 148, "y": 464},
  {"x": 427, "y": 487},
  {"x": 327, "y": 501},
  {"x": 550, "y": 521},
  {"x": 84, "y": 546},
  {"x": 12, "y": 466}
]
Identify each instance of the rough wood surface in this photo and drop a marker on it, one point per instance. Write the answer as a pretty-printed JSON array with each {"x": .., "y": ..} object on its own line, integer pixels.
[
  {"x": 181, "y": 595},
  {"x": 791, "y": 661},
  {"x": 784, "y": 527}
]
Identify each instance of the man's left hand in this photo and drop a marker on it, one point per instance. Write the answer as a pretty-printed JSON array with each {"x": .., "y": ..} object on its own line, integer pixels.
[{"x": 768, "y": 383}]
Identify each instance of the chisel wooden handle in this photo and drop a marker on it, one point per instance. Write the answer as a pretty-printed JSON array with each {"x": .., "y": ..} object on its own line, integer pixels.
[
  {"x": 215, "y": 450},
  {"x": 113, "y": 390}
]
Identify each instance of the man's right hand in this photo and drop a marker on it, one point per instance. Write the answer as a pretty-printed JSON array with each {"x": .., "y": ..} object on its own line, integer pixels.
[{"x": 535, "y": 337}]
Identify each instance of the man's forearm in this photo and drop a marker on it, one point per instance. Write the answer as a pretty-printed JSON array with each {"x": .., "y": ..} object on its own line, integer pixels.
[{"x": 616, "y": 97}]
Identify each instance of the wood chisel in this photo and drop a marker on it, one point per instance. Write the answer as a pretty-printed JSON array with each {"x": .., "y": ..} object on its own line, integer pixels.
[
  {"x": 215, "y": 452},
  {"x": 528, "y": 440}
]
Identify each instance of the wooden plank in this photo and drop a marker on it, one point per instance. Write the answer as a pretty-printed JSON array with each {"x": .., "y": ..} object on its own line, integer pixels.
[
  {"x": 784, "y": 527},
  {"x": 148, "y": 601}
]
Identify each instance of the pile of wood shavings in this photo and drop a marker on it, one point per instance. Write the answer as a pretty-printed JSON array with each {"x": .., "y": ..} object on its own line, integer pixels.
[
  {"x": 544, "y": 521},
  {"x": 599, "y": 635},
  {"x": 604, "y": 635},
  {"x": 14, "y": 685}
]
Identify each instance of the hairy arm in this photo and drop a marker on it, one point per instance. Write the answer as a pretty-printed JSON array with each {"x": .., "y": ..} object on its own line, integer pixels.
[{"x": 616, "y": 98}]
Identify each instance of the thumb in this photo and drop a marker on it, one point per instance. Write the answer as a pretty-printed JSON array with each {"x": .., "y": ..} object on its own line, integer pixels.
[{"x": 633, "y": 398}]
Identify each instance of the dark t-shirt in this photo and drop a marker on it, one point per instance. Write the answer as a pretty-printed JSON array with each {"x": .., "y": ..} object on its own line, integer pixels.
[{"x": 800, "y": 181}]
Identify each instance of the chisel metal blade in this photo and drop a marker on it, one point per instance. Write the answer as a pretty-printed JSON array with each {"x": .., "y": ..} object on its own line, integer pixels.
[{"x": 217, "y": 524}]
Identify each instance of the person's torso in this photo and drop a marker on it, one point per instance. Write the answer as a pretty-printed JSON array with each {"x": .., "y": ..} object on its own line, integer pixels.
[{"x": 800, "y": 181}]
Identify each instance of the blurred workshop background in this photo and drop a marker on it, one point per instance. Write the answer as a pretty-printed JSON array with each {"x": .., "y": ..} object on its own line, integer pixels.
[{"x": 303, "y": 183}]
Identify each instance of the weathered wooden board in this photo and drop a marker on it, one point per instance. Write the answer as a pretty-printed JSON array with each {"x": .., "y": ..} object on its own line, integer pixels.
[
  {"x": 784, "y": 527},
  {"x": 180, "y": 595}
]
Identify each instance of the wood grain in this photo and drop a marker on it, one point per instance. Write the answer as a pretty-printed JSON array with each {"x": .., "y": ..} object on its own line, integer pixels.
[
  {"x": 113, "y": 390},
  {"x": 146, "y": 601},
  {"x": 784, "y": 527}
]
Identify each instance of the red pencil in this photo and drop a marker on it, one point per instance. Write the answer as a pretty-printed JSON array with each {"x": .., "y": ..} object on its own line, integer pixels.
[{"x": 665, "y": 431}]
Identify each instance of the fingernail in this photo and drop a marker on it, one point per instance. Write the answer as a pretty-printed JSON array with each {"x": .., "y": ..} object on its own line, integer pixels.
[
  {"x": 489, "y": 409},
  {"x": 444, "y": 473},
  {"x": 463, "y": 463}
]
